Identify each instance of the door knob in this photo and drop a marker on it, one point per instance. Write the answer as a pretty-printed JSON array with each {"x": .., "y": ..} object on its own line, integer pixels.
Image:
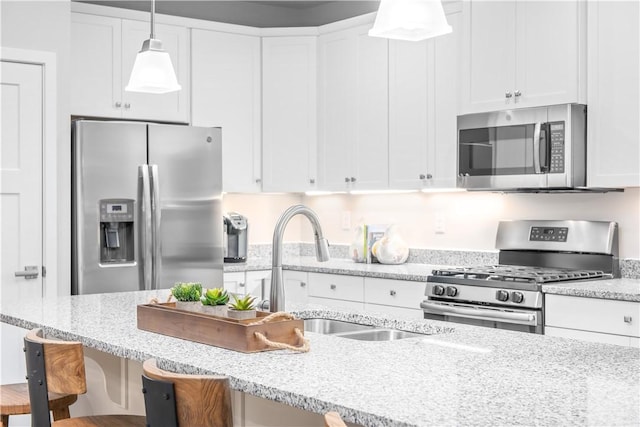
[
  {"x": 508, "y": 94},
  {"x": 30, "y": 272},
  {"x": 517, "y": 93}
]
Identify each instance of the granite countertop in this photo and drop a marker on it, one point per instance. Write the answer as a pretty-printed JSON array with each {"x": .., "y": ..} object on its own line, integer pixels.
[
  {"x": 619, "y": 289},
  {"x": 460, "y": 375}
]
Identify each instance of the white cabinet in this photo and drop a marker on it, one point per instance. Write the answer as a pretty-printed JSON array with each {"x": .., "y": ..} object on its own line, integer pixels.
[
  {"x": 423, "y": 80},
  {"x": 338, "y": 291},
  {"x": 295, "y": 288},
  {"x": 289, "y": 113},
  {"x": 226, "y": 92},
  {"x": 353, "y": 110},
  {"x": 522, "y": 53},
  {"x": 256, "y": 283},
  {"x": 613, "y": 94},
  {"x": 103, "y": 50},
  {"x": 395, "y": 297},
  {"x": 591, "y": 319}
]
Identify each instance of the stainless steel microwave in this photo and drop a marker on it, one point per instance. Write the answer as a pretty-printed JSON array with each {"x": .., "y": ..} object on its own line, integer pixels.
[{"x": 523, "y": 149}]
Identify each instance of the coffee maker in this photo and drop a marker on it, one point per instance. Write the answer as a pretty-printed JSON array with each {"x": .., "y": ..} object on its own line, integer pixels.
[{"x": 235, "y": 229}]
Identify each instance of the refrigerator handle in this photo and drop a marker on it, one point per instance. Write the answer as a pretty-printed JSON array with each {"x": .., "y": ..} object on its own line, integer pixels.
[
  {"x": 156, "y": 221},
  {"x": 146, "y": 259}
]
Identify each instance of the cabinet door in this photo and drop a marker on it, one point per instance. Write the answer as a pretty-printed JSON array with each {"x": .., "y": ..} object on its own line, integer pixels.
[
  {"x": 234, "y": 283},
  {"x": 336, "y": 286},
  {"x": 549, "y": 51},
  {"x": 398, "y": 293},
  {"x": 614, "y": 105},
  {"x": 172, "y": 106},
  {"x": 288, "y": 113},
  {"x": 488, "y": 55},
  {"x": 258, "y": 284},
  {"x": 370, "y": 161},
  {"x": 226, "y": 92},
  {"x": 295, "y": 288},
  {"x": 337, "y": 94},
  {"x": 95, "y": 66}
]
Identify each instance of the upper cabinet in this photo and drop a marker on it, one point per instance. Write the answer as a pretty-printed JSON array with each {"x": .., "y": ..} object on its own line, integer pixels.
[
  {"x": 613, "y": 148},
  {"x": 353, "y": 111},
  {"x": 226, "y": 92},
  {"x": 423, "y": 80},
  {"x": 522, "y": 53},
  {"x": 103, "y": 50},
  {"x": 289, "y": 113}
]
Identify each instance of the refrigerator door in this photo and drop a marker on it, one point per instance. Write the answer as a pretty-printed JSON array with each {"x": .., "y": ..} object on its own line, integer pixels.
[
  {"x": 186, "y": 169},
  {"x": 106, "y": 156}
]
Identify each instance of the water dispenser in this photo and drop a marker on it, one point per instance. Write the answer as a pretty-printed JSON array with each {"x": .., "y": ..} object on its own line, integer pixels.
[{"x": 116, "y": 231}]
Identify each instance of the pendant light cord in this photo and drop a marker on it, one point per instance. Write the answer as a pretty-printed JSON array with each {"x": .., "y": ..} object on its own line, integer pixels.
[{"x": 153, "y": 11}]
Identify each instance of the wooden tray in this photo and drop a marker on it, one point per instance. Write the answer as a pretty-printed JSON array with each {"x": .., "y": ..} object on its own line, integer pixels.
[{"x": 232, "y": 334}]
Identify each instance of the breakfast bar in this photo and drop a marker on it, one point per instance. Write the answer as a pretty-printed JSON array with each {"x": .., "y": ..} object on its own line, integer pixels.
[{"x": 451, "y": 375}]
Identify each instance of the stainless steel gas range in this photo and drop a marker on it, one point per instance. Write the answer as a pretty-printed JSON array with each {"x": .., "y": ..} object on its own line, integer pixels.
[{"x": 532, "y": 253}]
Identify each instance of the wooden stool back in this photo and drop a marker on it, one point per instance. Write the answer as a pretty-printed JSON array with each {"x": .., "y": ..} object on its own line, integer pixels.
[
  {"x": 200, "y": 400},
  {"x": 333, "y": 419}
]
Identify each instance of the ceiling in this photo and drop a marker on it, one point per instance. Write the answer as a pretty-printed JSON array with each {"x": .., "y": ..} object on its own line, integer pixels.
[{"x": 256, "y": 13}]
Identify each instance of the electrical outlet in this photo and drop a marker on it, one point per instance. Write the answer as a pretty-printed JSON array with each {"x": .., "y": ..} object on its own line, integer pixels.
[
  {"x": 439, "y": 226},
  {"x": 346, "y": 220}
]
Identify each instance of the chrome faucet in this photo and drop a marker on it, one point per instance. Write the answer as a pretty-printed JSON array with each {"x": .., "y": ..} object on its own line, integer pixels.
[{"x": 276, "y": 302}]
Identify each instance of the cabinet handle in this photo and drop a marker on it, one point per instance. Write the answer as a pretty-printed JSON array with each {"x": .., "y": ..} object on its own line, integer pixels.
[
  {"x": 392, "y": 293},
  {"x": 346, "y": 179},
  {"x": 353, "y": 179},
  {"x": 508, "y": 94},
  {"x": 628, "y": 319},
  {"x": 422, "y": 176},
  {"x": 303, "y": 284},
  {"x": 258, "y": 180},
  {"x": 118, "y": 104},
  {"x": 241, "y": 284},
  {"x": 517, "y": 93},
  {"x": 333, "y": 287},
  {"x": 127, "y": 105},
  {"x": 312, "y": 181}
]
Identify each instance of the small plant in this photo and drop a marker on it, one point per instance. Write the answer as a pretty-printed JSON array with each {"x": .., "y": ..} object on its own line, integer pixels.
[
  {"x": 215, "y": 296},
  {"x": 243, "y": 304},
  {"x": 187, "y": 291}
]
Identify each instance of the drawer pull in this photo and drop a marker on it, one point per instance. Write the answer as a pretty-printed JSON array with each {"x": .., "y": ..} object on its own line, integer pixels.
[
  {"x": 628, "y": 319},
  {"x": 333, "y": 287},
  {"x": 303, "y": 284},
  {"x": 392, "y": 293}
]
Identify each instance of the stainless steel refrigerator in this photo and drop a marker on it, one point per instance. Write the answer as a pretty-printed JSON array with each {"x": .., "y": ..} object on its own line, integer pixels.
[{"x": 146, "y": 206}]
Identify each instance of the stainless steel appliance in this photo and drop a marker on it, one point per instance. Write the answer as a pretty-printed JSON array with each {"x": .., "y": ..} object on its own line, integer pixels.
[
  {"x": 145, "y": 198},
  {"x": 523, "y": 149},
  {"x": 532, "y": 253},
  {"x": 235, "y": 236}
]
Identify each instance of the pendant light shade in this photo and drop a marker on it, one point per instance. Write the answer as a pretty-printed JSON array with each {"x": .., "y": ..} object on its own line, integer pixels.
[
  {"x": 411, "y": 20},
  {"x": 152, "y": 71}
]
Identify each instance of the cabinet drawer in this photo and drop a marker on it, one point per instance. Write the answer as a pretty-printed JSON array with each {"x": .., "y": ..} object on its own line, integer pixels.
[
  {"x": 398, "y": 293},
  {"x": 595, "y": 315},
  {"x": 336, "y": 286}
]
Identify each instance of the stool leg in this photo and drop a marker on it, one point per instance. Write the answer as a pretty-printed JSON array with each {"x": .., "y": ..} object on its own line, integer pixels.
[
  {"x": 61, "y": 414},
  {"x": 4, "y": 421}
]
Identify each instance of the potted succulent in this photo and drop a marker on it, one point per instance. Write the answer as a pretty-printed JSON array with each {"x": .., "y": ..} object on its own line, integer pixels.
[
  {"x": 187, "y": 295},
  {"x": 214, "y": 301},
  {"x": 242, "y": 308}
]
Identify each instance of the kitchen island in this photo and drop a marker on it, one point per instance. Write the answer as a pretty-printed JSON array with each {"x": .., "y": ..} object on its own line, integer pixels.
[{"x": 457, "y": 375}]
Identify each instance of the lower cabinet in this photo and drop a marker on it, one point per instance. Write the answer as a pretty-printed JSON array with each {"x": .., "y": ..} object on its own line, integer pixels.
[
  {"x": 256, "y": 283},
  {"x": 592, "y": 319},
  {"x": 295, "y": 288},
  {"x": 337, "y": 291},
  {"x": 400, "y": 298}
]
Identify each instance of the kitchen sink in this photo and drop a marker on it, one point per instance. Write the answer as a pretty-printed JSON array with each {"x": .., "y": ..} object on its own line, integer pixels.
[{"x": 355, "y": 331}]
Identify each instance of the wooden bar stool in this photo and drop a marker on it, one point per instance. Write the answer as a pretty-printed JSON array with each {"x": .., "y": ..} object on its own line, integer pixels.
[
  {"x": 58, "y": 367},
  {"x": 14, "y": 400},
  {"x": 333, "y": 419}
]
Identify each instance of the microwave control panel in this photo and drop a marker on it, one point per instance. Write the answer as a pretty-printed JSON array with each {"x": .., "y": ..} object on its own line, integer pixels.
[
  {"x": 548, "y": 234},
  {"x": 556, "y": 137}
]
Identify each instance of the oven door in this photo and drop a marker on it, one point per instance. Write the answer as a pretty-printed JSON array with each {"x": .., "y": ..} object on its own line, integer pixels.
[{"x": 482, "y": 315}]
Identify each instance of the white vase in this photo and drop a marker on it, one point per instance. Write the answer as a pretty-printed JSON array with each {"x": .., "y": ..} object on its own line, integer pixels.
[
  {"x": 241, "y": 314},
  {"x": 215, "y": 310},
  {"x": 188, "y": 305}
]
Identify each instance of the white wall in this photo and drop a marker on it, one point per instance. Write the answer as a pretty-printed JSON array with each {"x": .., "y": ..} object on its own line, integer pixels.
[
  {"x": 470, "y": 219},
  {"x": 45, "y": 26}
]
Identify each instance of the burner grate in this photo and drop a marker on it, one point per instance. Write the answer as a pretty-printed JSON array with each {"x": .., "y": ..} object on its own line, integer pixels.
[{"x": 524, "y": 274}]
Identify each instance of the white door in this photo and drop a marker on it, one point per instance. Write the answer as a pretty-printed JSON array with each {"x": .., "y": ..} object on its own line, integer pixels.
[{"x": 21, "y": 179}]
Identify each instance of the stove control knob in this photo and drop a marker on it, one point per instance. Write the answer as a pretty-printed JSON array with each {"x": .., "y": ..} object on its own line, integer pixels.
[
  {"x": 452, "y": 291},
  {"x": 502, "y": 295},
  {"x": 517, "y": 297},
  {"x": 438, "y": 290}
]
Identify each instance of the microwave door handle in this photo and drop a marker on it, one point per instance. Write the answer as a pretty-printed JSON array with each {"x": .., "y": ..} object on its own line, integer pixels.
[
  {"x": 145, "y": 249},
  {"x": 536, "y": 148}
]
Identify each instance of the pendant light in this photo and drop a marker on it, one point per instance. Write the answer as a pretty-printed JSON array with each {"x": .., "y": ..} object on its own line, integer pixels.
[
  {"x": 152, "y": 71},
  {"x": 411, "y": 20}
]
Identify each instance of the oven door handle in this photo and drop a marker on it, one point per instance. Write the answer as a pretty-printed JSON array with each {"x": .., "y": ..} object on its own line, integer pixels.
[{"x": 480, "y": 313}]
